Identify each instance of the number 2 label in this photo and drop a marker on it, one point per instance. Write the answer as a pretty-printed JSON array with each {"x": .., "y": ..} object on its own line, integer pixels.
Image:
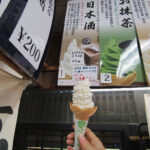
[{"x": 106, "y": 78}]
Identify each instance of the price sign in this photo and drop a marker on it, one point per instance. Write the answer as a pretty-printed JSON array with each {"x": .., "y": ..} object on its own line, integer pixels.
[
  {"x": 3, "y": 6},
  {"x": 77, "y": 57},
  {"x": 32, "y": 31},
  {"x": 106, "y": 78},
  {"x": 82, "y": 72}
]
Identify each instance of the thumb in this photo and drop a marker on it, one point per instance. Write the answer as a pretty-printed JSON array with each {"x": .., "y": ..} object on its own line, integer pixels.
[{"x": 84, "y": 143}]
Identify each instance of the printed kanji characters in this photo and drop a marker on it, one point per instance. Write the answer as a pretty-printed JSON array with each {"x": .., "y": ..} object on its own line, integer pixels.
[
  {"x": 125, "y": 11},
  {"x": 42, "y": 3},
  {"x": 89, "y": 26},
  {"x": 90, "y": 14},
  {"x": 90, "y": 4},
  {"x": 124, "y": 2},
  {"x": 127, "y": 22}
]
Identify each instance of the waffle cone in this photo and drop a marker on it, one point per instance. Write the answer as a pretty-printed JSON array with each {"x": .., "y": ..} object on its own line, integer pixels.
[
  {"x": 129, "y": 79},
  {"x": 68, "y": 77},
  {"x": 82, "y": 114},
  {"x": 122, "y": 81}
]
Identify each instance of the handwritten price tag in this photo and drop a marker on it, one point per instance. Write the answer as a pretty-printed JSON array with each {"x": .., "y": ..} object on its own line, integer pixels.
[
  {"x": 32, "y": 31},
  {"x": 85, "y": 72}
]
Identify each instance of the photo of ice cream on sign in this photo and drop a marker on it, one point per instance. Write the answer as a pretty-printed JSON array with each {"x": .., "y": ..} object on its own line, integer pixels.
[
  {"x": 84, "y": 56},
  {"x": 80, "y": 61},
  {"x": 73, "y": 55}
]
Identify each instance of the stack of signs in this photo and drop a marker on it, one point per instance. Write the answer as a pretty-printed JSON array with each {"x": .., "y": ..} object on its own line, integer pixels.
[
  {"x": 24, "y": 31},
  {"x": 120, "y": 62},
  {"x": 106, "y": 25},
  {"x": 80, "y": 47},
  {"x": 141, "y": 13}
]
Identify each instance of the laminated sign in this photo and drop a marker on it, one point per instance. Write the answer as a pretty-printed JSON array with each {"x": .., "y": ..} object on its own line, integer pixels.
[
  {"x": 141, "y": 14},
  {"x": 3, "y": 6},
  {"x": 80, "y": 47},
  {"x": 120, "y": 62},
  {"x": 24, "y": 39}
]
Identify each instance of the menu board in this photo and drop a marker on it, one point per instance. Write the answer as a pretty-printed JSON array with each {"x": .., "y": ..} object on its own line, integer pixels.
[
  {"x": 120, "y": 62},
  {"x": 79, "y": 57}
]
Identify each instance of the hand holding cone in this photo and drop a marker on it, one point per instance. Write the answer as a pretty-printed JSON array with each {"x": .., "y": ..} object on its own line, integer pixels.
[{"x": 82, "y": 107}]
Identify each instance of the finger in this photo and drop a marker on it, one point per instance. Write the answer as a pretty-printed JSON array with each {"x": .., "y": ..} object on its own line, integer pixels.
[
  {"x": 84, "y": 144},
  {"x": 69, "y": 148},
  {"x": 73, "y": 126},
  {"x": 70, "y": 142},
  {"x": 89, "y": 134},
  {"x": 96, "y": 142},
  {"x": 70, "y": 136}
]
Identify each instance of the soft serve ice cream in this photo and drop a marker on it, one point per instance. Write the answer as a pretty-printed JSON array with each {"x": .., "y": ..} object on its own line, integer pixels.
[
  {"x": 65, "y": 63},
  {"x": 110, "y": 57},
  {"x": 82, "y": 105},
  {"x": 82, "y": 96}
]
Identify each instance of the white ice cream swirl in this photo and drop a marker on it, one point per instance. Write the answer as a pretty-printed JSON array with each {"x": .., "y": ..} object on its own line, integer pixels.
[
  {"x": 65, "y": 63},
  {"x": 82, "y": 96}
]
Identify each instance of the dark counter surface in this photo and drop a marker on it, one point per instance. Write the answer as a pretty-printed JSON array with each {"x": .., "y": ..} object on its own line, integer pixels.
[{"x": 116, "y": 109}]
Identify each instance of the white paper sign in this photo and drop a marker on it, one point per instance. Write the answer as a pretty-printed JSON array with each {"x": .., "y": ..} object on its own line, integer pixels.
[
  {"x": 83, "y": 72},
  {"x": 32, "y": 31},
  {"x": 3, "y": 6},
  {"x": 10, "y": 93},
  {"x": 141, "y": 12},
  {"x": 106, "y": 78},
  {"x": 61, "y": 73}
]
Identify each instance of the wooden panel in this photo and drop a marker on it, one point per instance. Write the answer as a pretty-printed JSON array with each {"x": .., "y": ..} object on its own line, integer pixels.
[{"x": 8, "y": 62}]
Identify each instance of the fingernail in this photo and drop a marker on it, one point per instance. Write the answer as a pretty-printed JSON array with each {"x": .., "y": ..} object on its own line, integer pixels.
[
  {"x": 68, "y": 147},
  {"x": 67, "y": 141},
  {"x": 82, "y": 138}
]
